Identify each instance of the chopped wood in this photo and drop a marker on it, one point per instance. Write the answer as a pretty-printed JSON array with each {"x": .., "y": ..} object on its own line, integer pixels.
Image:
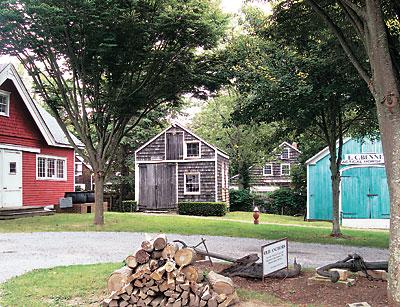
[
  {"x": 190, "y": 273},
  {"x": 220, "y": 284},
  {"x": 142, "y": 256},
  {"x": 170, "y": 266},
  {"x": 169, "y": 251},
  {"x": 160, "y": 242},
  {"x": 118, "y": 279},
  {"x": 147, "y": 245},
  {"x": 131, "y": 262},
  {"x": 156, "y": 255},
  {"x": 184, "y": 256}
]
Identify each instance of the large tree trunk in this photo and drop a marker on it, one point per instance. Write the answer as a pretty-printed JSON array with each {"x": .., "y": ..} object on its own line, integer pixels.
[
  {"x": 99, "y": 198},
  {"x": 335, "y": 182},
  {"x": 385, "y": 87}
]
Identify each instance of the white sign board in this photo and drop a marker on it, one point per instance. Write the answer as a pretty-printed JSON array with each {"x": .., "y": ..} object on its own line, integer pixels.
[
  {"x": 274, "y": 256},
  {"x": 372, "y": 158}
]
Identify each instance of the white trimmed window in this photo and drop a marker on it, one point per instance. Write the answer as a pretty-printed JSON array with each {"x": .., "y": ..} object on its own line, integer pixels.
[
  {"x": 268, "y": 169},
  {"x": 4, "y": 103},
  {"x": 192, "y": 183},
  {"x": 192, "y": 149},
  {"x": 285, "y": 169},
  {"x": 51, "y": 168},
  {"x": 78, "y": 168},
  {"x": 285, "y": 153}
]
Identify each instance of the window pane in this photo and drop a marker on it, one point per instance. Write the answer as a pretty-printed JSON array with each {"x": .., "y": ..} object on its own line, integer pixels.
[
  {"x": 3, "y": 104},
  {"x": 285, "y": 153},
  {"x": 60, "y": 168},
  {"x": 192, "y": 149},
  {"x": 41, "y": 167},
  {"x": 268, "y": 169},
  {"x": 285, "y": 169},
  {"x": 192, "y": 183},
  {"x": 51, "y": 171},
  {"x": 13, "y": 168}
]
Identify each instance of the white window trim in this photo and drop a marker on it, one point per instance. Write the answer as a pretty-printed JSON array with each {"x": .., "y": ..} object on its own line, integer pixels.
[
  {"x": 272, "y": 169},
  {"x": 288, "y": 156},
  {"x": 7, "y": 95},
  {"x": 281, "y": 169},
  {"x": 185, "y": 150},
  {"x": 184, "y": 184},
  {"x": 55, "y": 165}
]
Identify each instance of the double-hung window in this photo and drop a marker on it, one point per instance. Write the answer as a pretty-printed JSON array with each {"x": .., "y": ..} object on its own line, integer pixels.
[
  {"x": 4, "y": 103},
  {"x": 51, "y": 168},
  {"x": 285, "y": 153},
  {"x": 268, "y": 169},
  {"x": 192, "y": 183},
  {"x": 285, "y": 169}
]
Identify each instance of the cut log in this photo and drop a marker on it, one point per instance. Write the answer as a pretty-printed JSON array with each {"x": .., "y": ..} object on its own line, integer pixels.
[
  {"x": 118, "y": 279},
  {"x": 169, "y": 251},
  {"x": 160, "y": 242},
  {"x": 156, "y": 254},
  {"x": 147, "y": 245},
  {"x": 131, "y": 262},
  {"x": 170, "y": 266},
  {"x": 153, "y": 264},
  {"x": 220, "y": 284},
  {"x": 190, "y": 273},
  {"x": 142, "y": 256},
  {"x": 184, "y": 256}
]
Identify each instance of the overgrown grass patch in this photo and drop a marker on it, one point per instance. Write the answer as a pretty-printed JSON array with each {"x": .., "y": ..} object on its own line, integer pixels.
[{"x": 137, "y": 222}]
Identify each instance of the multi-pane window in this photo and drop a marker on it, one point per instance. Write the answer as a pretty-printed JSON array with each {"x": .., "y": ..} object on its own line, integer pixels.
[
  {"x": 285, "y": 169},
  {"x": 78, "y": 168},
  {"x": 193, "y": 149},
  {"x": 285, "y": 153},
  {"x": 13, "y": 168},
  {"x": 4, "y": 103},
  {"x": 51, "y": 168},
  {"x": 192, "y": 183},
  {"x": 268, "y": 170}
]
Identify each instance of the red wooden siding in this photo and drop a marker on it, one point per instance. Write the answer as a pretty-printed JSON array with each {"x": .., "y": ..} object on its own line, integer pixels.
[{"x": 20, "y": 129}]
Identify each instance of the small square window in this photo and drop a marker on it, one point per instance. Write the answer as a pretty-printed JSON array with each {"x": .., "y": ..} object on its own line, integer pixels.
[
  {"x": 193, "y": 149},
  {"x": 268, "y": 170},
  {"x": 13, "y": 168},
  {"x": 285, "y": 153},
  {"x": 285, "y": 169}
]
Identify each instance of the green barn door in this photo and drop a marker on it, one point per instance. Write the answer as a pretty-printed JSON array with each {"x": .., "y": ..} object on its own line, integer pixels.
[{"x": 365, "y": 193}]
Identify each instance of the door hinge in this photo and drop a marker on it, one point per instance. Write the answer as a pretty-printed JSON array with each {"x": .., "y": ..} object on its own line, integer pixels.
[{"x": 370, "y": 195}]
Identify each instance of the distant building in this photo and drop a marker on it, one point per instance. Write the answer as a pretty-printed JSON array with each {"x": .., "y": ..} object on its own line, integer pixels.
[
  {"x": 177, "y": 166},
  {"x": 275, "y": 173},
  {"x": 83, "y": 175},
  {"x": 364, "y": 195}
]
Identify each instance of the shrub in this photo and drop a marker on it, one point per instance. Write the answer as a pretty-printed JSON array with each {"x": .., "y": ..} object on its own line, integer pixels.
[
  {"x": 202, "y": 208},
  {"x": 125, "y": 206},
  {"x": 286, "y": 202},
  {"x": 241, "y": 200}
]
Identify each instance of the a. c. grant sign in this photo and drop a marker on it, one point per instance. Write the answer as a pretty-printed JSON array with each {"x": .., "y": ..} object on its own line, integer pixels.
[{"x": 367, "y": 158}]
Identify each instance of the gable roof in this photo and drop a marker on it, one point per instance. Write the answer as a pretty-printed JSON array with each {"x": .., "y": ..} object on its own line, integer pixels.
[
  {"x": 47, "y": 124},
  {"x": 175, "y": 124},
  {"x": 289, "y": 145},
  {"x": 324, "y": 152}
]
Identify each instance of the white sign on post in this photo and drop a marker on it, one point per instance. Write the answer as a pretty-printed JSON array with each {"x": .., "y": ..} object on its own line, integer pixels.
[
  {"x": 274, "y": 256},
  {"x": 363, "y": 159}
]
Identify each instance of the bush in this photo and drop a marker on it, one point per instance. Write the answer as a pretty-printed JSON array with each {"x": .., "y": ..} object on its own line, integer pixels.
[
  {"x": 286, "y": 202},
  {"x": 202, "y": 208},
  {"x": 125, "y": 206},
  {"x": 241, "y": 200}
]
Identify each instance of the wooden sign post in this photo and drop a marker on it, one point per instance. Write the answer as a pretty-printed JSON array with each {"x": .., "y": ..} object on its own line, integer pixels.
[{"x": 274, "y": 256}]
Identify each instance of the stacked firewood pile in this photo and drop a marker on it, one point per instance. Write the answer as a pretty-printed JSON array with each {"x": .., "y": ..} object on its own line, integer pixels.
[{"x": 162, "y": 274}]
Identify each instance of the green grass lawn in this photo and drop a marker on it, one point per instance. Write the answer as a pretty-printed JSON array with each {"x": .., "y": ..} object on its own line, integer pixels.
[
  {"x": 80, "y": 285},
  {"x": 138, "y": 222}
]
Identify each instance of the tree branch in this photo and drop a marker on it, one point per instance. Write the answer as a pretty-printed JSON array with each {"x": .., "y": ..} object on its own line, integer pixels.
[{"x": 360, "y": 11}]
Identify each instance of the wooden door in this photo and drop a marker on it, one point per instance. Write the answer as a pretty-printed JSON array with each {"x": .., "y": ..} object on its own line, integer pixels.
[
  {"x": 174, "y": 145},
  {"x": 157, "y": 186}
]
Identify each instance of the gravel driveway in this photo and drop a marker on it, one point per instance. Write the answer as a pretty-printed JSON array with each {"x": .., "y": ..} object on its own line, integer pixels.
[{"x": 22, "y": 252}]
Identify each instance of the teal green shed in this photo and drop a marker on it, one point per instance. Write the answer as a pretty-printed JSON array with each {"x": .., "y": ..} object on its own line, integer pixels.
[{"x": 364, "y": 195}]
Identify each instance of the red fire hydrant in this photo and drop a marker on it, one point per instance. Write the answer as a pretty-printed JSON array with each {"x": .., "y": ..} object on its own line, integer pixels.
[{"x": 256, "y": 215}]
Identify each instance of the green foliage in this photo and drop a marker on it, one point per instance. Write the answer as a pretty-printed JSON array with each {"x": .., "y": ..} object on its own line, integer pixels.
[
  {"x": 286, "y": 202},
  {"x": 202, "y": 208},
  {"x": 241, "y": 200},
  {"x": 125, "y": 206}
]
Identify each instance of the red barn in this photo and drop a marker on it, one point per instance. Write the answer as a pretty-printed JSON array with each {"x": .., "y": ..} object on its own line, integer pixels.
[{"x": 36, "y": 159}]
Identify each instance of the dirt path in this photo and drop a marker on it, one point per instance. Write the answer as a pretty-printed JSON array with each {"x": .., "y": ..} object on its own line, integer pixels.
[{"x": 22, "y": 252}]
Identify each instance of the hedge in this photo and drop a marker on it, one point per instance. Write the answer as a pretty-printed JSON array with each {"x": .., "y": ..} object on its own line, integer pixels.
[
  {"x": 202, "y": 208},
  {"x": 125, "y": 206}
]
